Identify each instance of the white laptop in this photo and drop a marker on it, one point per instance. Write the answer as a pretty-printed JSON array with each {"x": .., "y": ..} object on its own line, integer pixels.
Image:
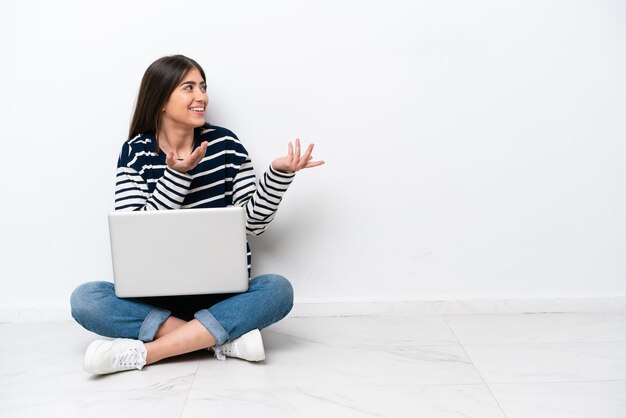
[{"x": 179, "y": 252}]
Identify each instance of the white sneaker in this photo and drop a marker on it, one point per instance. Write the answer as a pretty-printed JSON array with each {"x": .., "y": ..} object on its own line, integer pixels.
[
  {"x": 247, "y": 347},
  {"x": 105, "y": 356}
]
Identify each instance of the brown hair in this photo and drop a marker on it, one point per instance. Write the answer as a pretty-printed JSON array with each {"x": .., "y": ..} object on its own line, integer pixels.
[{"x": 157, "y": 84}]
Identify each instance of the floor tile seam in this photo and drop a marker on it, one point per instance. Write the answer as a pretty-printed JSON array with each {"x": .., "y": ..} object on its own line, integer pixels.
[
  {"x": 378, "y": 349},
  {"x": 330, "y": 344},
  {"x": 450, "y": 344},
  {"x": 535, "y": 345},
  {"x": 542, "y": 343},
  {"x": 99, "y": 380},
  {"x": 559, "y": 382},
  {"x": 493, "y": 396},
  {"x": 442, "y": 385},
  {"x": 537, "y": 314},
  {"x": 195, "y": 375},
  {"x": 95, "y": 390},
  {"x": 371, "y": 315},
  {"x": 328, "y": 400},
  {"x": 537, "y": 382},
  {"x": 355, "y": 386}
]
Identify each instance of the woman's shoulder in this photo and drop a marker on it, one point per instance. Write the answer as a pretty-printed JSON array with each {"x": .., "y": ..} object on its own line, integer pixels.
[
  {"x": 140, "y": 141},
  {"x": 142, "y": 145}
]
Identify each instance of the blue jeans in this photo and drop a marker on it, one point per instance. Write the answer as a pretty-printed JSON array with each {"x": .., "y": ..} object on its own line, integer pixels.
[{"x": 226, "y": 316}]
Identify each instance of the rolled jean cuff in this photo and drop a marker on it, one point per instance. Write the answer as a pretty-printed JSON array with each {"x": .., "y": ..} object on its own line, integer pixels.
[
  {"x": 151, "y": 324},
  {"x": 207, "y": 319}
]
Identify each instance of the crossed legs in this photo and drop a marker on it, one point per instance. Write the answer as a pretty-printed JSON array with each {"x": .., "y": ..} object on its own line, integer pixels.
[
  {"x": 158, "y": 333},
  {"x": 176, "y": 336}
]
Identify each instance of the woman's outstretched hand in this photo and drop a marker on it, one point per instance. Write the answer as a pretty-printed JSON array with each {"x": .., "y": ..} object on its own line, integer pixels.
[
  {"x": 293, "y": 161},
  {"x": 189, "y": 163}
]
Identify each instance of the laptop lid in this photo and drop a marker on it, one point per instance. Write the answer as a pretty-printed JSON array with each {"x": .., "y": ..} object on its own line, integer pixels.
[{"x": 179, "y": 252}]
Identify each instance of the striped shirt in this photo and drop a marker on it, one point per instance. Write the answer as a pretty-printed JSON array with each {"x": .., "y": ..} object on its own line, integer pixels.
[{"x": 224, "y": 177}]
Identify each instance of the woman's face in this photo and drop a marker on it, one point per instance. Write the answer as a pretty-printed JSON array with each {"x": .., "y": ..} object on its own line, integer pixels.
[{"x": 186, "y": 105}]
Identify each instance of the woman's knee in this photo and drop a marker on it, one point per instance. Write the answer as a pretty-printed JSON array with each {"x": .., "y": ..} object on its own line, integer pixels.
[
  {"x": 281, "y": 289},
  {"x": 84, "y": 299}
]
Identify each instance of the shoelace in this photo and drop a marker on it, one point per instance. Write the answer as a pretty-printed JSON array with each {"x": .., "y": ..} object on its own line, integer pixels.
[
  {"x": 227, "y": 349},
  {"x": 130, "y": 358}
]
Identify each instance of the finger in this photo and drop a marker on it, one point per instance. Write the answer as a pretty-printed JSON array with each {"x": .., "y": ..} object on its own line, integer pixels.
[
  {"x": 296, "y": 155},
  {"x": 169, "y": 158},
  {"x": 200, "y": 152},
  {"x": 309, "y": 150},
  {"x": 290, "y": 153},
  {"x": 192, "y": 160},
  {"x": 306, "y": 157},
  {"x": 314, "y": 164},
  {"x": 298, "y": 148}
]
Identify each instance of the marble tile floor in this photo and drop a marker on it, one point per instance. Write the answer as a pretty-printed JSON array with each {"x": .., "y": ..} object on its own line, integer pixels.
[{"x": 530, "y": 365}]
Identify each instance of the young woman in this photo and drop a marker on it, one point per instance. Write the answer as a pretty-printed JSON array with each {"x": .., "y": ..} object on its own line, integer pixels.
[{"x": 175, "y": 160}]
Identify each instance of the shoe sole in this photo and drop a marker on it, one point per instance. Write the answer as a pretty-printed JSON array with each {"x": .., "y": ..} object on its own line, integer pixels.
[{"x": 91, "y": 354}]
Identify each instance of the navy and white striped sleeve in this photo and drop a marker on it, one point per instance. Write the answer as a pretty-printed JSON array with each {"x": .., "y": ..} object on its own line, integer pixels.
[
  {"x": 261, "y": 202},
  {"x": 132, "y": 193},
  {"x": 131, "y": 187}
]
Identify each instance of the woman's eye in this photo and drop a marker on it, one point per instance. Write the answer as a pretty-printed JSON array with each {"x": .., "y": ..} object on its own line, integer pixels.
[
  {"x": 203, "y": 88},
  {"x": 188, "y": 87}
]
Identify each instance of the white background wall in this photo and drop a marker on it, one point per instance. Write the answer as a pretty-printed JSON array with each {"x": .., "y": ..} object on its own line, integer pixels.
[{"x": 474, "y": 149}]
